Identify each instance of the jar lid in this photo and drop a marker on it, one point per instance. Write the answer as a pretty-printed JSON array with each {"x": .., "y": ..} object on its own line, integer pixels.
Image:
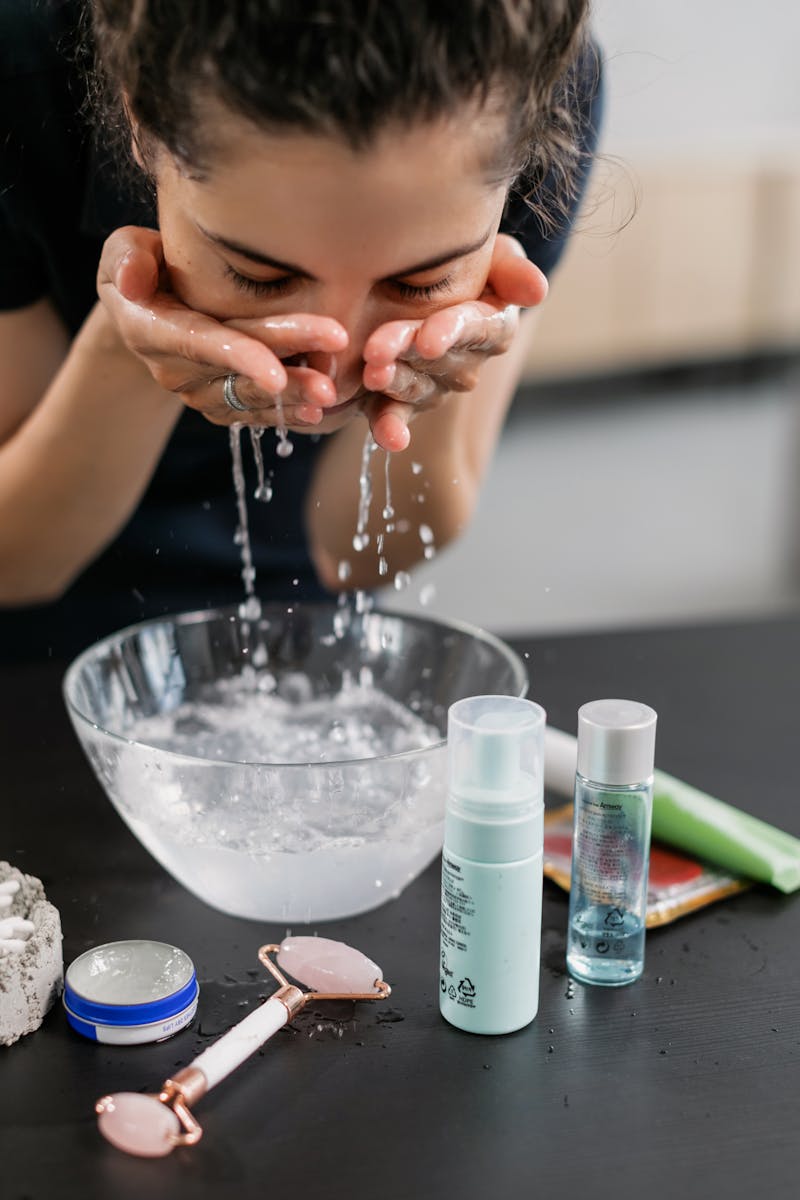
[{"x": 130, "y": 991}]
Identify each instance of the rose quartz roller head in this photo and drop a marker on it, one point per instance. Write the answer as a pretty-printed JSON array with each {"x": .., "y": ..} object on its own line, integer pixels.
[{"x": 151, "y": 1126}]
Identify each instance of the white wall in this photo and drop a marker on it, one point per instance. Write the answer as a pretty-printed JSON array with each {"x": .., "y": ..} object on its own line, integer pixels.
[
  {"x": 700, "y": 76},
  {"x": 677, "y": 508}
]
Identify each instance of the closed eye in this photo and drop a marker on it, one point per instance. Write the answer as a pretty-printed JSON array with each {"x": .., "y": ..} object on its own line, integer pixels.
[
  {"x": 421, "y": 291},
  {"x": 259, "y": 287},
  {"x": 275, "y": 287}
]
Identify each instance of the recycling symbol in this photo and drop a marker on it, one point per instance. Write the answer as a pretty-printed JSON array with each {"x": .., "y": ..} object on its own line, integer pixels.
[
  {"x": 615, "y": 918},
  {"x": 451, "y": 991},
  {"x": 467, "y": 988}
]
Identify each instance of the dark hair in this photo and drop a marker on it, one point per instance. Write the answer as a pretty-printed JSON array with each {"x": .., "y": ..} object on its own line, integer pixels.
[{"x": 346, "y": 68}]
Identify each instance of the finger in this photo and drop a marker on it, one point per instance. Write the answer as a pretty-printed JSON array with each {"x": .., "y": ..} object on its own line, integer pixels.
[
  {"x": 388, "y": 341},
  {"x": 513, "y": 277},
  {"x": 474, "y": 323},
  {"x": 413, "y": 387},
  {"x": 290, "y": 410},
  {"x": 295, "y": 333},
  {"x": 132, "y": 260},
  {"x": 388, "y": 420},
  {"x": 314, "y": 387},
  {"x": 166, "y": 327},
  {"x": 378, "y": 379}
]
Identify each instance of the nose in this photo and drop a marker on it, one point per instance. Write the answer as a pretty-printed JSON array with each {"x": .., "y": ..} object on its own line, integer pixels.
[{"x": 354, "y": 315}]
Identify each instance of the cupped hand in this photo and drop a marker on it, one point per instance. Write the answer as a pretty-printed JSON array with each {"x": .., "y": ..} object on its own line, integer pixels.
[
  {"x": 413, "y": 365},
  {"x": 189, "y": 353}
]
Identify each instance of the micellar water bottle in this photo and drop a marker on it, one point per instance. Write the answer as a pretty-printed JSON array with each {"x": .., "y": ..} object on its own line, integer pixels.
[{"x": 611, "y": 841}]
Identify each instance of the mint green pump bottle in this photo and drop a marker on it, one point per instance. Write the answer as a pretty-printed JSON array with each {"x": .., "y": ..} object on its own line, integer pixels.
[{"x": 492, "y": 865}]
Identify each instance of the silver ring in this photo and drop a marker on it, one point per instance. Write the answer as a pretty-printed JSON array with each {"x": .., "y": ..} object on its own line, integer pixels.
[{"x": 230, "y": 397}]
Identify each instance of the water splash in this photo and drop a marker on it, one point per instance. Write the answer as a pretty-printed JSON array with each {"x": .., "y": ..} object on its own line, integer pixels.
[
  {"x": 242, "y": 535},
  {"x": 361, "y": 537},
  {"x": 284, "y": 448},
  {"x": 263, "y": 490}
]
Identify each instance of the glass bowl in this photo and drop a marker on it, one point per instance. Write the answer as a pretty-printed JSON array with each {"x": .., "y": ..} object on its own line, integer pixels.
[{"x": 251, "y": 834}]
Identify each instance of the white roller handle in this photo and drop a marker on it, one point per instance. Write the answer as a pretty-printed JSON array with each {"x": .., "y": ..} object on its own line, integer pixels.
[
  {"x": 560, "y": 762},
  {"x": 241, "y": 1041}
]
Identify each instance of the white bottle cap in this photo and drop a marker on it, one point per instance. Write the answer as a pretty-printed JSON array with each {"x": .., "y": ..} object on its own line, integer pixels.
[
  {"x": 616, "y": 741},
  {"x": 495, "y": 752}
]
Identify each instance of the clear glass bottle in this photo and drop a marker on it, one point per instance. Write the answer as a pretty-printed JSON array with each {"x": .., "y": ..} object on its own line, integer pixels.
[{"x": 611, "y": 842}]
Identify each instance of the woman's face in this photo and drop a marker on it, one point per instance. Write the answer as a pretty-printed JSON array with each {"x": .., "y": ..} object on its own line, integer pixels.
[{"x": 300, "y": 223}]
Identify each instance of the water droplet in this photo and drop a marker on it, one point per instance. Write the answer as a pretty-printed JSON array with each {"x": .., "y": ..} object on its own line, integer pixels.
[
  {"x": 430, "y": 552},
  {"x": 263, "y": 492},
  {"x": 426, "y": 534},
  {"x": 344, "y": 570},
  {"x": 383, "y": 566},
  {"x": 427, "y": 595},
  {"x": 416, "y": 468},
  {"x": 284, "y": 447},
  {"x": 360, "y": 541},
  {"x": 401, "y": 580},
  {"x": 388, "y": 513}
]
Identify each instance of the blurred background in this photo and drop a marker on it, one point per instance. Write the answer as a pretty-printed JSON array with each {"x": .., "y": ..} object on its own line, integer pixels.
[{"x": 649, "y": 471}]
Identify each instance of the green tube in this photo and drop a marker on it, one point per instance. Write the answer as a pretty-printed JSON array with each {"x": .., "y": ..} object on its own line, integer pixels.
[{"x": 724, "y": 835}]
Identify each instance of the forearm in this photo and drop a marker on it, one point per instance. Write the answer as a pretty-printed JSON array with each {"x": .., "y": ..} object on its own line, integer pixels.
[
  {"x": 73, "y": 472},
  {"x": 436, "y": 482}
]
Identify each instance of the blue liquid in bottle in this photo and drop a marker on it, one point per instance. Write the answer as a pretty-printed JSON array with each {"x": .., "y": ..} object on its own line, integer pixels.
[{"x": 611, "y": 847}]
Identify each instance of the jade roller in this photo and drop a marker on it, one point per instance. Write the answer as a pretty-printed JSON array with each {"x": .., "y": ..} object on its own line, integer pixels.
[{"x": 153, "y": 1125}]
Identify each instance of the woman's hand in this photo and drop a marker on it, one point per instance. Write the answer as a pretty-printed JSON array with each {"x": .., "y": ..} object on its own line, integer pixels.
[
  {"x": 189, "y": 353},
  {"x": 413, "y": 365}
]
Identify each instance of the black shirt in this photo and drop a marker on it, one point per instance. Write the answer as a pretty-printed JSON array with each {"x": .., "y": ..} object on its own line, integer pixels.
[{"x": 60, "y": 197}]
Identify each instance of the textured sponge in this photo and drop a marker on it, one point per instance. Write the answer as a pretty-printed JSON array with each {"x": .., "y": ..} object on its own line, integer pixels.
[{"x": 31, "y": 963}]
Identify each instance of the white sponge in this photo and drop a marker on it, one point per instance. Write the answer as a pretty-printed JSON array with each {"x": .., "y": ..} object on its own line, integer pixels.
[{"x": 31, "y": 963}]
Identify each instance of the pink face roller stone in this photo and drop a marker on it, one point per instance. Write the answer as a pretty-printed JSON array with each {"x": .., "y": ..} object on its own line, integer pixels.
[
  {"x": 327, "y": 966},
  {"x": 138, "y": 1124},
  {"x": 150, "y": 1127}
]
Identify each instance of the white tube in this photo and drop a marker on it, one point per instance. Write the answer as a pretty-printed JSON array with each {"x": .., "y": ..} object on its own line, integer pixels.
[
  {"x": 560, "y": 761},
  {"x": 231, "y": 1050}
]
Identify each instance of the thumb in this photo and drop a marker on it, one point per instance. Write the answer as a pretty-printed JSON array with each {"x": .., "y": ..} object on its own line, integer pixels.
[
  {"x": 136, "y": 261},
  {"x": 388, "y": 420},
  {"x": 513, "y": 278}
]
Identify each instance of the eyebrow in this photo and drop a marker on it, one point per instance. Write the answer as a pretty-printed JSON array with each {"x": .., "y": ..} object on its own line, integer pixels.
[{"x": 266, "y": 260}]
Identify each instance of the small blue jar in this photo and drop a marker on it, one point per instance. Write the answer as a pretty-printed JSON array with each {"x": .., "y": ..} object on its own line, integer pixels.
[{"x": 130, "y": 992}]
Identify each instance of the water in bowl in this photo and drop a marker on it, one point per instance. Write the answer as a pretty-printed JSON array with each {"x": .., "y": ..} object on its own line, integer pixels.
[{"x": 242, "y": 804}]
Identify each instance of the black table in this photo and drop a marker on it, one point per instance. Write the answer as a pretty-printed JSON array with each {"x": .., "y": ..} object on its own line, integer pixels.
[{"x": 686, "y": 1084}]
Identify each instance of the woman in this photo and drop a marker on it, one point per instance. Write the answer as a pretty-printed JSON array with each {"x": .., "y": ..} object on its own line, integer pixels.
[{"x": 324, "y": 237}]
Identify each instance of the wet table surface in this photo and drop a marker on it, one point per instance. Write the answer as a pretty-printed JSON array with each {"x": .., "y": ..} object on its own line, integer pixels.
[{"x": 685, "y": 1084}]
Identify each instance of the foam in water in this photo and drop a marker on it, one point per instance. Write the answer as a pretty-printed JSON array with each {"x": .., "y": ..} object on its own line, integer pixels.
[
  {"x": 280, "y": 801},
  {"x": 285, "y": 723}
]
